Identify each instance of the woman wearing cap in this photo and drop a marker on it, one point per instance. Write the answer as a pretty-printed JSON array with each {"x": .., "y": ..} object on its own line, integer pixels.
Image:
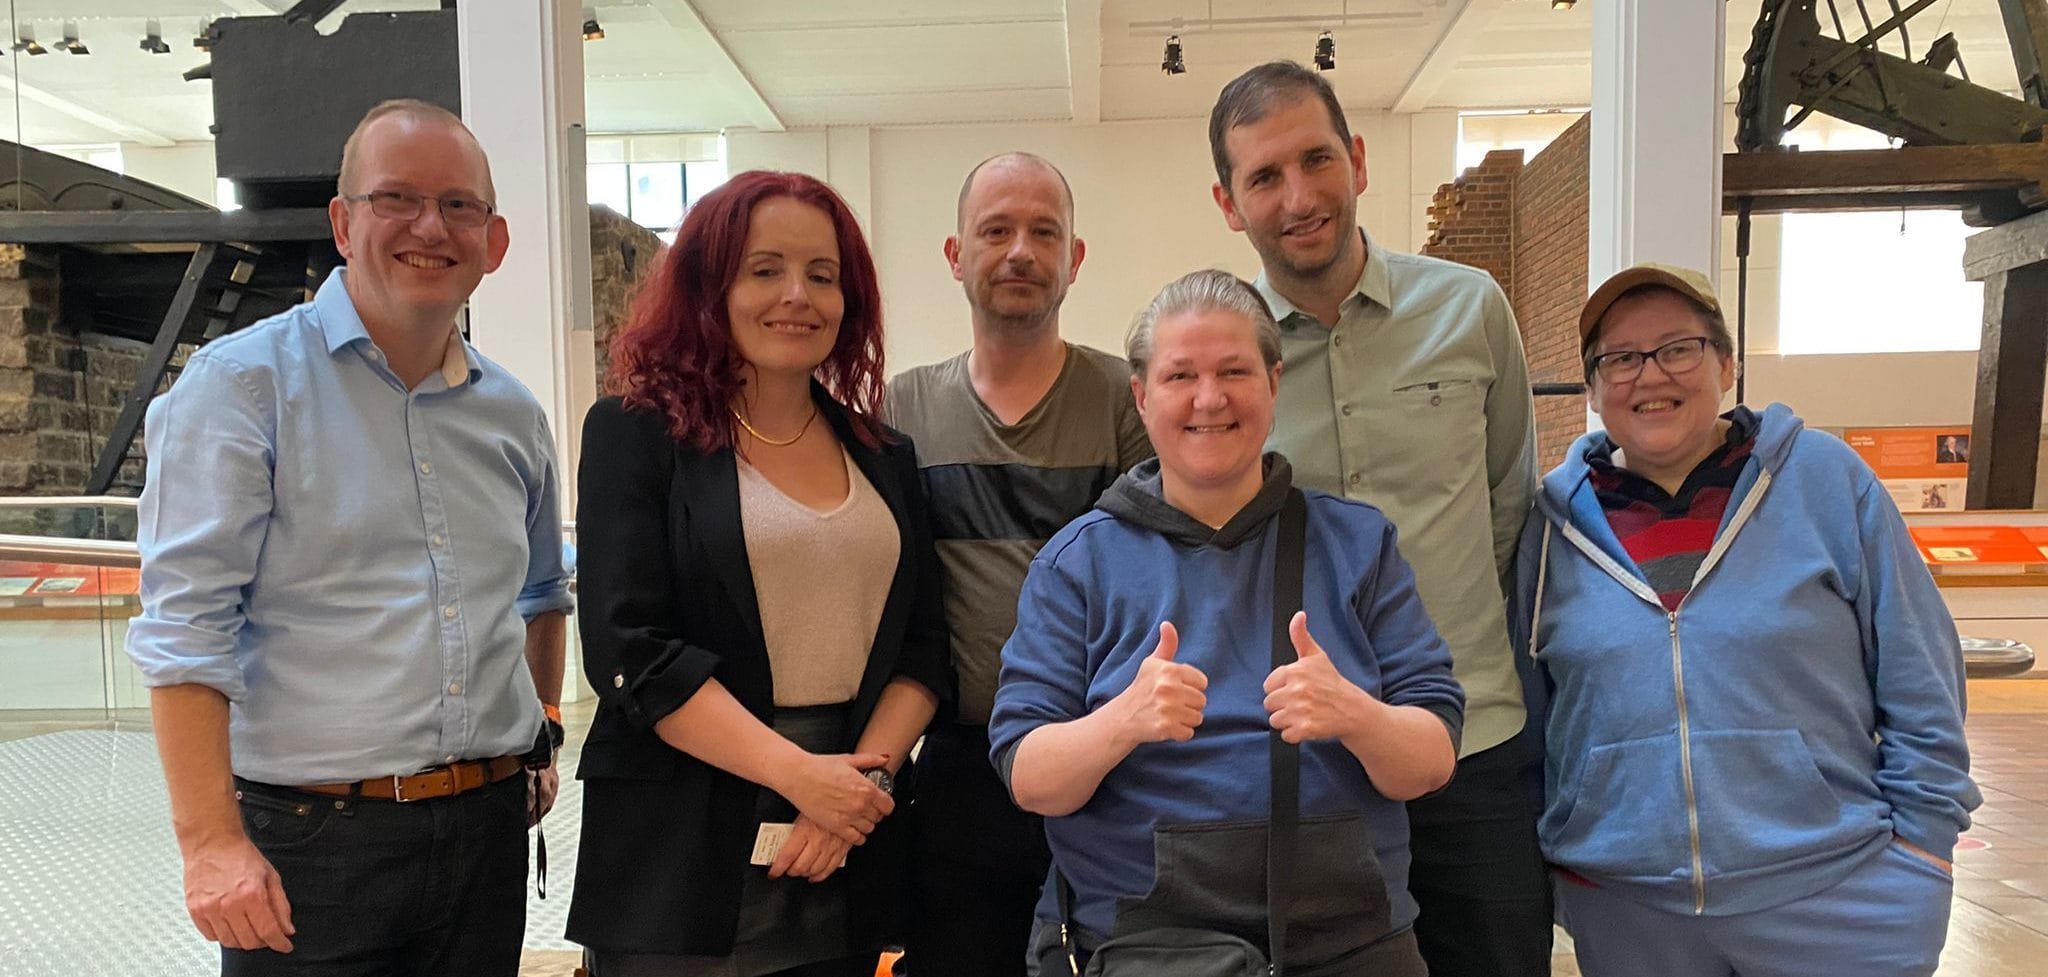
[{"x": 1754, "y": 723}]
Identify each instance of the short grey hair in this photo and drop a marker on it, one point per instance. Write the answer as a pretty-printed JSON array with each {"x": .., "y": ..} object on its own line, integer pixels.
[{"x": 1208, "y": 290}]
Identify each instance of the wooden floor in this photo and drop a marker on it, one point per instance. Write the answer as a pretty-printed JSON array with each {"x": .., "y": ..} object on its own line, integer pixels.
[{"x": 1999, "y": 924}]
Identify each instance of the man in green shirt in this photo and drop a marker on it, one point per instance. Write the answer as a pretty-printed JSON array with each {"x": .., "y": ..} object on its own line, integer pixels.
[
  {"x": 1015, "y": 438},
  {"x": 1404, "y": 385}
]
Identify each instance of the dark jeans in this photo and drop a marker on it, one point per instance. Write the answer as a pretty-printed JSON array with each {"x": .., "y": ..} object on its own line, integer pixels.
[
  {"x": 1477, "y": 872},
  {"x": 382, "y": 888},
  {"x": 978, "y": 862}
]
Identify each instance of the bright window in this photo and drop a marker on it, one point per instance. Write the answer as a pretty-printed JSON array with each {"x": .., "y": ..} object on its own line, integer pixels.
[
  {"x": 1880, "y": 282},
  {"x": 1873, "y": 282}
]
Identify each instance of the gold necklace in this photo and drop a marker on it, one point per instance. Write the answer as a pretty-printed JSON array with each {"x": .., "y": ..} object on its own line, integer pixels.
[{"x": 764, "y": 439}]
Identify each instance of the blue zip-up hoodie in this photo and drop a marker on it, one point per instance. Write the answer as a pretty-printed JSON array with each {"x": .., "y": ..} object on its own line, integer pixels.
[{"x": 1802, "y": 706}]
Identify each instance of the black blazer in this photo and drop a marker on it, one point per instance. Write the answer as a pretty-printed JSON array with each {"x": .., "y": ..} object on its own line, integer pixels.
[{"x": 667, "y": 602}]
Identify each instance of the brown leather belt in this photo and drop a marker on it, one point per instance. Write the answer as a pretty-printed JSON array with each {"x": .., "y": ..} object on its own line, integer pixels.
[{"x": 448, "y": 781}]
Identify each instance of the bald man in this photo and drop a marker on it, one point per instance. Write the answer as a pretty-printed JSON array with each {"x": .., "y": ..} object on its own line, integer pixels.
[
  {"x": 353, "y": 596},
  {"x": 1016, "y": 437}
]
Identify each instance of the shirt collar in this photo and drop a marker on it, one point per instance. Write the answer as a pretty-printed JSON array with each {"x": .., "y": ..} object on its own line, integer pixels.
[
  {"x": 1374, "y": 284},
  {"x": 343, "y": 326}
]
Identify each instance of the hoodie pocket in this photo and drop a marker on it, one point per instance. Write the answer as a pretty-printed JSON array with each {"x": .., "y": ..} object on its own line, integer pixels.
[
  {"x": 1760, "y": 798},
  {"x": 1763, "y": 802},
  {"x": 1627, "y": 817},
  {"x": 1213, "y": 876}
]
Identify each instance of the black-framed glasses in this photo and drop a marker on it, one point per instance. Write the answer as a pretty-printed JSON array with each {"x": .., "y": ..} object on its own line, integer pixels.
[
  {"x": 1675, "y": 357},
  {"x": 457, "y": 210}
]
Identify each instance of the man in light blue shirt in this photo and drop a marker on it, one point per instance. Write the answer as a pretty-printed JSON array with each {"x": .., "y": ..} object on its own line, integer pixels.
[{"x": 353, "y": 595}]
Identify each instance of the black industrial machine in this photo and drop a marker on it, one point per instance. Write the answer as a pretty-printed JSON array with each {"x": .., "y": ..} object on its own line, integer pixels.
[
  {"x": 1963, "y": 146},
  {"x": 144, "y": 263}
]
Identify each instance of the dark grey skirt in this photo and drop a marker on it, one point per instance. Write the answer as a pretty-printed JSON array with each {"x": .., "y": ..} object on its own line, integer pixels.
[{"x": 783, "y": 923}]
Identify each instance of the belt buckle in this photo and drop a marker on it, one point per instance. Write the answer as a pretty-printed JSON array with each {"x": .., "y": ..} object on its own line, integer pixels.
[{"x": 398, "y": 789}]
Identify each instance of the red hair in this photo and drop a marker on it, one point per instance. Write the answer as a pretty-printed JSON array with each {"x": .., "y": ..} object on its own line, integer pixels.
[{"x": 675, "y": 353}]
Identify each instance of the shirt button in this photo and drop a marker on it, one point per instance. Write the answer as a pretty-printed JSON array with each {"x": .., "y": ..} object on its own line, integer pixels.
[
  {"x": 438, "y": 539},
  {"x": 450, "y": 758},
  {"x": 426, "y": 469},
  {"x": 448, "y": 612},
  {"x": 1347, "y": 410},
  {"x": 1436, "y": 400},
  {"x": 1354, "y": 478},
  {"x": 455, "y": 688},
  {"x": 1337, "y": 341},
  {"x": 618, "y": 681}
]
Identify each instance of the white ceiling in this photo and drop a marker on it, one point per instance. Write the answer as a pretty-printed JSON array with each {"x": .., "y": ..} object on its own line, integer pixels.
[{"x": 705, "y": 65}]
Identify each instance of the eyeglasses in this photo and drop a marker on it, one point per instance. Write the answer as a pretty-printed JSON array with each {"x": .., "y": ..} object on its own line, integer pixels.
[
  {"x": 1675, "y": 357},
  {"x": 403, "y": 205}
]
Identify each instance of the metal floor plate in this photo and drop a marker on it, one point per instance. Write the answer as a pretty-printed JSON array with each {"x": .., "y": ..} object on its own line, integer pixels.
[{"x": 90, "y": 881}]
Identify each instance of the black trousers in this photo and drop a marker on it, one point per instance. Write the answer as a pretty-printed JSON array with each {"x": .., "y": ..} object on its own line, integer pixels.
[
  {"x": 379, "y": 888},
  {"x": 977, "y": 862},
  {"x": 1477, "y": 873}
]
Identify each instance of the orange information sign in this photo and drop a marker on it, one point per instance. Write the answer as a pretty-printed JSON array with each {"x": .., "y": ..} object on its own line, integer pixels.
[
  {"x": 1913, "y": 452},
  {"x": 2037, "y": 537},
  {"x": 66, "y": 580},
  {"x": 1964, "y": 546}
]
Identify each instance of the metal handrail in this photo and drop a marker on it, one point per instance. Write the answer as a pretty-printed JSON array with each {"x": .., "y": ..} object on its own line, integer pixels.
[
  {"x": 67, "y": 501},
  {"x": 83, "y": 552}
]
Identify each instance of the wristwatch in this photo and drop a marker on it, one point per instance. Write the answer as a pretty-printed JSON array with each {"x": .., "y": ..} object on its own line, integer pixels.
[{"x": 882, "y": 778}]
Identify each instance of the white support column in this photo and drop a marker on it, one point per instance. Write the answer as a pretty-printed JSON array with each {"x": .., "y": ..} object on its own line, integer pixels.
[
  {"x": 522, "y": 93},
  {"x": 1655, "y": 164},
  {"x": 1656, "y": 143}
]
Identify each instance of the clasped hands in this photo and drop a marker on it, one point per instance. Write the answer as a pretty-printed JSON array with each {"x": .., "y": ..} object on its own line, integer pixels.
[
  {"x": 1307, "y": 699},
  {"x": 837, "y": 808}
]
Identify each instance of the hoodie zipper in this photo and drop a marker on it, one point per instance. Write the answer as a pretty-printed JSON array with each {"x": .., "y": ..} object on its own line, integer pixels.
[
  {"x": 1641, "y": 589},
  {"x": 1692, "y": 806}
]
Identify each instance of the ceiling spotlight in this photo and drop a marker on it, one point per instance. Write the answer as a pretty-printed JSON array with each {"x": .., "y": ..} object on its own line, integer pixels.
[
  {"x": 25, "y": 42},
  {"x": 153, "y": 40},
  {"x": 1172, "y": 63},
  {"x": 591, "y": 30},
  {"x": 1326, "y": 52},
  {"x": 1562, "y": 4}
]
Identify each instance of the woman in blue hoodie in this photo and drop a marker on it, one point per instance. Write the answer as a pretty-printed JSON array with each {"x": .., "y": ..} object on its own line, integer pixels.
[
  {"x": 1138, "y": 693},
  {"x": 1754, "y": 723}
]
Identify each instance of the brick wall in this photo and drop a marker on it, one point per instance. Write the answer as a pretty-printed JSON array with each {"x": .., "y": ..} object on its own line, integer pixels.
[
  {"x": 1550, "y": 287},
  {"x": 1525, "y": 223},
  {"x": 1472, "y": 218}
]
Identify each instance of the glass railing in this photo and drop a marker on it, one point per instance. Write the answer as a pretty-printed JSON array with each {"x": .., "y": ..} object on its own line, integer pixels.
[
  {"x": 68, "y": 582},
  {"x": 68, "y": 574}
]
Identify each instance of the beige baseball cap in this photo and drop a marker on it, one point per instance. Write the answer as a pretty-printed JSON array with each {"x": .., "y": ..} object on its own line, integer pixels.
[{"x": 1684, "y": 281}]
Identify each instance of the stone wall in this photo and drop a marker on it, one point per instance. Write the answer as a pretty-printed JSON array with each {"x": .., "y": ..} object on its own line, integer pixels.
[
  {"x": 61, "y": 392},
  {"x": 621, "y": 252}
]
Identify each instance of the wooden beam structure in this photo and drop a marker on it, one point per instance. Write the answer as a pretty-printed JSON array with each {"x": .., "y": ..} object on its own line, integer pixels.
[
  {"x": 2003, "y": 188},
  {"x": 2012, "y": 362},
  {"x": 1991, "y": 184}
]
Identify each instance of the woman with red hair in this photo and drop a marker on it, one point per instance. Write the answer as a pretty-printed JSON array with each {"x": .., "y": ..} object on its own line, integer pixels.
[{"x": 760, "y": 613}]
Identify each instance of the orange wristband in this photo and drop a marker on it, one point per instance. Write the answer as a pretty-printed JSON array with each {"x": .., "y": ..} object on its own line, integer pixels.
[{"x": 554, "y": 713}]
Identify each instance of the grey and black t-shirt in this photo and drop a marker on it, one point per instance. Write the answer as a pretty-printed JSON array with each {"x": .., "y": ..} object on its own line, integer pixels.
[{"x": 999, "y": 491}]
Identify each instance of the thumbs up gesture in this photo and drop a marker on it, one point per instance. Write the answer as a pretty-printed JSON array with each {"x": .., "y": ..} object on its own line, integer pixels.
[
  {"x": 1309, "y": 699},
  {"x": 1166, "y": 699}
]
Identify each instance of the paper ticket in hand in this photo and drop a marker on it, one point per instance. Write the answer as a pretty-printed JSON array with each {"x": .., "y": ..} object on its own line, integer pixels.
[{"x": 768, "y": 843}]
